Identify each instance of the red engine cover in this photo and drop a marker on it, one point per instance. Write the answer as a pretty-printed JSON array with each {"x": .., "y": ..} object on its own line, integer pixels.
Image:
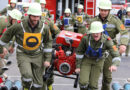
[
  {"x": 65, "y": 61},
  {"x": 67, "y": 35}
]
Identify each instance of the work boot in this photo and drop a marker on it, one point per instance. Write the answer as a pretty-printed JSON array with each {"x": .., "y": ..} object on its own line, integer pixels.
[{"x": 50, "y": 87}]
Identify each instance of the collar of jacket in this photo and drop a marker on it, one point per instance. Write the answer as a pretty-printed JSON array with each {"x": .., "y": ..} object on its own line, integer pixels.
[
  {"x": 106, "y": 19},
  {"x": 26, "y": 26}
]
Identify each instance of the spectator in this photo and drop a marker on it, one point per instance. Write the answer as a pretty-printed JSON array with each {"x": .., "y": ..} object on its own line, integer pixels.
[{"x": 121, "y": 12}]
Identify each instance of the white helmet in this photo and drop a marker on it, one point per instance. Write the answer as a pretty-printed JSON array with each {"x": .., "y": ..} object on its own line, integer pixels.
[
  {"x": 80, "y": 6},
  {"x": 43, "y": 1},
  {"x": 96, "y": 27},
  {"x": 105, "y": 4},
  {"x": 34, "y": 9},
  {"x": 15, "y": 14},
  {"x": 67, "y": 10}
]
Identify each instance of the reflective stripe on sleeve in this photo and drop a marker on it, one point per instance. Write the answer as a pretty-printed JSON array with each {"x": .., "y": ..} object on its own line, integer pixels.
[
  {"x": 27, "y": 79},
  {"x": 47, "y": 50},
  {"x": 79, "y": 56},
  {"x": 124, "y": 36},
  {"x": 37, "y": 85},
  {"x": 116, "y": 59},
  {"x": 2, "y": 43}
]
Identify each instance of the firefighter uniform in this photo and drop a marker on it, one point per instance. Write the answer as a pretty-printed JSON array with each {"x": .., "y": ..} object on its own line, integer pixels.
[
  {"x": 4, "y": 24},
  {"x": 112, "y": 26},
  {"x": 90, "y": 57},
  {"x": 67, "y": 21},
  {"x": 34, "y": 48},
  {"x": 45, "y": 11},
  {"x": 6, "y": 10},
  {"x": 126, "y": 21},
  {"x": 81, "y": 20}
]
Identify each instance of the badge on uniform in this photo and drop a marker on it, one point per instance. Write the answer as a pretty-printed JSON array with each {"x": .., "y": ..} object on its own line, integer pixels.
[
  {"x": 127, "y": 22},
  {"x": 122, "y": 27},
  {"x": 43, "y": 14},
  {"x": 114, "y": 48},
  {"x": 66, "y": 21},
  {"x": 80, "y": 19},
  {"x": 31, "y": 41}
]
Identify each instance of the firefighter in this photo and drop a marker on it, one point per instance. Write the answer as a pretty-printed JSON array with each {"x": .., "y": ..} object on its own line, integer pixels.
[
  {"x": 90, "y": 56},
  {"x": 9, "y": 8},
  {"x": 81, "y": 20},
  {"x": 25, "y": 9},
  {"x": 45, "y": 11},
  {"x": 33, "y": 50},
  {"x": 112, "y": 26},
  {"x": 67, "y": 21},
  {"x": 5, "y": 23},
  {"x": 126, "y": 21}
]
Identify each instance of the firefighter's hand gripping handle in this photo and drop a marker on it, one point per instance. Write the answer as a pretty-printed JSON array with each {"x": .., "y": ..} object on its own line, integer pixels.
[
  {"x": 48, "y": 73},
  {"x": 76, "y": 81}
]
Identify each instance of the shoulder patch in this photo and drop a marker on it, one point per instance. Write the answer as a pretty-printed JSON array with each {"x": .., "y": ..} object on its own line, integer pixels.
[
  {"x": 114, "y": 48},
  {"x": 122, "y": 27}
]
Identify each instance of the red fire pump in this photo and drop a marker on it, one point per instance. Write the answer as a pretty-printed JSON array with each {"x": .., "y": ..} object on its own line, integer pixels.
[
  {"x": 64, "y": 55},
  {"x": 65, "y": 61}
]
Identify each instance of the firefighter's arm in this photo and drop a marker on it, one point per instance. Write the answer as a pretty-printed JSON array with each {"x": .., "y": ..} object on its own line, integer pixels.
[
  {"x": 80, "y": 52},
  {"x": 124, "y": 36},
  {"x": 47, "y": 42},
  {"x": 123, "y": 32},
  {"x": 73, "y": 20},
  {"x": 7, "y": 36},
  {"x": 2, "y": 25},
  {"x": 54, "y": 29},
  {"x": 114, "y": 52}
]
